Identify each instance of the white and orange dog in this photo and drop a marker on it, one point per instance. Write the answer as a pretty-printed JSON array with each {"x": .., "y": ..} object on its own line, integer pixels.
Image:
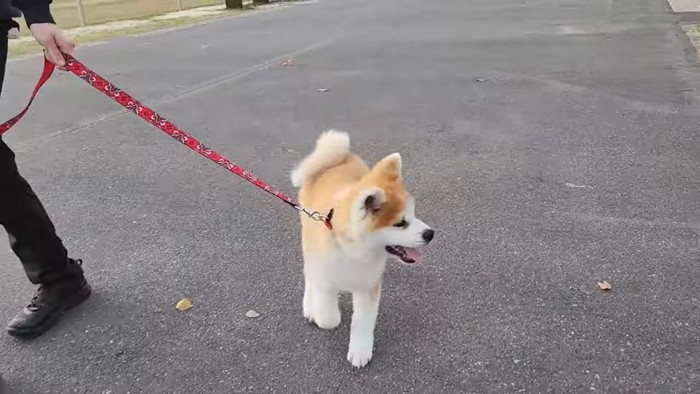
[{"x": 373, "y": 218}]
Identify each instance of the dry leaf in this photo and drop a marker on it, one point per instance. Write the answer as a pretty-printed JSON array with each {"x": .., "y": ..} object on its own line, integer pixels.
[
  {"x": 604, "y": 285},
  {"x": 288, "y": 62},
  {"x": 322, "y": 90},
  {"x": 575, "y": 186},
  {"x": 183, "y": 305},
  {"x": 252, "y": 314}
]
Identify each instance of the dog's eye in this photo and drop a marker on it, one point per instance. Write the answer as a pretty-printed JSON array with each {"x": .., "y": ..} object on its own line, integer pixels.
[{"x": 402, "y": 224}]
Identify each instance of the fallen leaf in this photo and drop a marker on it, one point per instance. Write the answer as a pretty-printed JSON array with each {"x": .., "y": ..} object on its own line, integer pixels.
[
  {"x": 604, "y": 285},
  {"x": 183, "y": 305},
  {"x": 252, "y": 314},
  {"x": 288, "y": 62},
  {"x": 322, "y": 90},
  {"x": 574, "y": 186}
]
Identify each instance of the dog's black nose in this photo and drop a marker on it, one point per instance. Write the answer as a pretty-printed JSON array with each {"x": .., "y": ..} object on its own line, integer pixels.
[{"x": 428, "y": 235}]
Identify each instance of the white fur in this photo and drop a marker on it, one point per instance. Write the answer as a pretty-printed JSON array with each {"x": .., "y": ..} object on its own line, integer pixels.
[
  {"x": 350, "y": 269},
  {"x": 353, "y": 263},
  {"x": 411, "y": 236},
  {"x": 331, "y": 149},
  {"x": 399, "y": 162},
  {"x": 355, "y": 266}
]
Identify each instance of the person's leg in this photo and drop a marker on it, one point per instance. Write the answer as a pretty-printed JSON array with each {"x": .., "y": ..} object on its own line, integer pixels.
[
  {"x": 33, "y": 239},
  {"x": 32, "y": 234},
  {"x": 3, "y": 59}
]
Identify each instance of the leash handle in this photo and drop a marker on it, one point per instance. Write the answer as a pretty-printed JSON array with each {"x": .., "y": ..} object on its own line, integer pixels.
[
  {"x": 45, "y": 75},
  {"x": 125, "y": 100}
]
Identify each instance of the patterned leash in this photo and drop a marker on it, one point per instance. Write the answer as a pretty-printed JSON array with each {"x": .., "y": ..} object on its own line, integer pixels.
[{"x": 150, "y": 116}]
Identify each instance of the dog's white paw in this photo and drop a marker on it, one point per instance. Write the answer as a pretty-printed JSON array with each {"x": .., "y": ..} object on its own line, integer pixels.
[
  {"x": 328, "y": 319},
  {"x": 360, "y": 353},
  {"x": 308, "y": 310},
  {"x": 308, "y": 315}
]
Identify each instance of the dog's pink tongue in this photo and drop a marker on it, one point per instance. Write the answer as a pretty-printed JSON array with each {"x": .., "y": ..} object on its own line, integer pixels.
[{"x": 415, "y": 254}]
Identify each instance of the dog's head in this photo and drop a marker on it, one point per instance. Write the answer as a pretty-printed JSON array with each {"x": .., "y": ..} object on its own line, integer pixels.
[{"x": 380, "y": 212}]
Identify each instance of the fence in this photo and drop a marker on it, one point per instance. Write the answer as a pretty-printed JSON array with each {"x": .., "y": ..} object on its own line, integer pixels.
[{"x": 72, "y": 13}]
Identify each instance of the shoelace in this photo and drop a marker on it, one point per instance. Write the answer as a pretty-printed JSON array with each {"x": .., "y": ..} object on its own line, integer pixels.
[{"x": 33, "y": 303}]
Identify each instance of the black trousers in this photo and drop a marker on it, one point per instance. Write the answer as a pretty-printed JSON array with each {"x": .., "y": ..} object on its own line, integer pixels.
[{"x": 32, "y": 234}]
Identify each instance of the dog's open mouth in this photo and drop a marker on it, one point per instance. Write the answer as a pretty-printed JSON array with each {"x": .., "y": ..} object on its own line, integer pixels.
[{"x": 406, "y": 255}]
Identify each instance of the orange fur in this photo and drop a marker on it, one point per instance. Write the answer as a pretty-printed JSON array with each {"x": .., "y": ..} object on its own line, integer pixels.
[
  {"x": 367, "y": 204},
  {"x": 339, "y": 187}
]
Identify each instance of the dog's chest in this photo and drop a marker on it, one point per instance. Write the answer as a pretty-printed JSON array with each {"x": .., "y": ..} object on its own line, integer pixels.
[{"x": 353, "y": 274}]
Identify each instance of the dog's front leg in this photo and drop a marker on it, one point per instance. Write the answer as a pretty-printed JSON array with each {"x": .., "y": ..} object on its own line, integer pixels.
[
  {"x": 365, "y": 305},
  {"x": 308, "y": 301},
  {"x": 326, "y": 313}
]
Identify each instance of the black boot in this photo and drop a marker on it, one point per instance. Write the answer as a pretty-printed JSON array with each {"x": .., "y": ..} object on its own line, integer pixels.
[{"x": 50, "y": 302}]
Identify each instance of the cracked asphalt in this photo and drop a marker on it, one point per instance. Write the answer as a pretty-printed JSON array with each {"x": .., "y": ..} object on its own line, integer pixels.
[{"x": 551, "y": 144}]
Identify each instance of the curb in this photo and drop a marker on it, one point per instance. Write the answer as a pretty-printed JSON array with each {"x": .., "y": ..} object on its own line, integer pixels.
[{"x": 692, "y": 30}]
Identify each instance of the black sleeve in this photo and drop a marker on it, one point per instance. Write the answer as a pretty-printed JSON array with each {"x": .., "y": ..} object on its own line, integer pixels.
[
  {"x": 7, "y": 11},
  {"x": 35, "y": 11}
]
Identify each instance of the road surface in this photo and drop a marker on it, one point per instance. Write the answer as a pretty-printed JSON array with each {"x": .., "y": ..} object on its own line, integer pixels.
[{"x": 551, "y": 143}]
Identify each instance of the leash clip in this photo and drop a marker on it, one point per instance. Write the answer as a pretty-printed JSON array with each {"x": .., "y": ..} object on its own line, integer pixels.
[{"x": 319, "y": 217}]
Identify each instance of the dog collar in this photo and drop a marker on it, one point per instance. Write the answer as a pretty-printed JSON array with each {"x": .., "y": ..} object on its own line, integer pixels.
[{"x": 329, "y": 217}]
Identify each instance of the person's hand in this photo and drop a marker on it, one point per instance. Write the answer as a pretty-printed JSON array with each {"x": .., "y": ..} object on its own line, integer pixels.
[{"x": 54, "y": 42}]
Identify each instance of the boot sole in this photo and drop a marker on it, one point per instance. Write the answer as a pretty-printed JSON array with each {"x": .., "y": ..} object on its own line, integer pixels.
[{"x": 77, "y": 299}]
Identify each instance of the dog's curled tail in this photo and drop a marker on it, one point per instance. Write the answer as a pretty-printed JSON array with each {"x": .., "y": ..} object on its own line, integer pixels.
[{"x": 332, "y": 147}]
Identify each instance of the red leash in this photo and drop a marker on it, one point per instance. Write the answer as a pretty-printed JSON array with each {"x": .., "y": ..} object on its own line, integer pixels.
[
  {"x": 45, "y": 75},
  {"x": 150, "y": 116}
]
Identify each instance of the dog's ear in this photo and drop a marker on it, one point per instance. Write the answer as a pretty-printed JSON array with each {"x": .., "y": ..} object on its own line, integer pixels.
[
  {"x": 390, "y": 166},
  {"x": 369, "y": 201}
]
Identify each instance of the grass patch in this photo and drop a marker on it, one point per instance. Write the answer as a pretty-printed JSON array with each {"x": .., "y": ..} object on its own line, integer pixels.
[
  {"x": 692, "y": 31},
  {"x": 26, "y": 44},
  {"x": 102, "y": 11}
]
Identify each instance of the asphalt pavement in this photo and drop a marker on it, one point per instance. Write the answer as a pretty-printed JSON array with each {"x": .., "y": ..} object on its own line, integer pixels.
[{"x": 551, "y": 144}]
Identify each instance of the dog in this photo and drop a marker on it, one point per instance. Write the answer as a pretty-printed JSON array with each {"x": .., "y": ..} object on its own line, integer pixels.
[{"x": 373, "y": 218}]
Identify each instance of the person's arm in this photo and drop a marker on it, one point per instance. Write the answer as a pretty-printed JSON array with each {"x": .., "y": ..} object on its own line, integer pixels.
[
  {"x": 7, "y": 11},
  {"x": 44, "y": 29},
  {"x": 35, "y": 11}
]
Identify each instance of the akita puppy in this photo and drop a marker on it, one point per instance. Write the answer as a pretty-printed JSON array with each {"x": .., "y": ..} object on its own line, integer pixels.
[{"x": 373, "y": 217}]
